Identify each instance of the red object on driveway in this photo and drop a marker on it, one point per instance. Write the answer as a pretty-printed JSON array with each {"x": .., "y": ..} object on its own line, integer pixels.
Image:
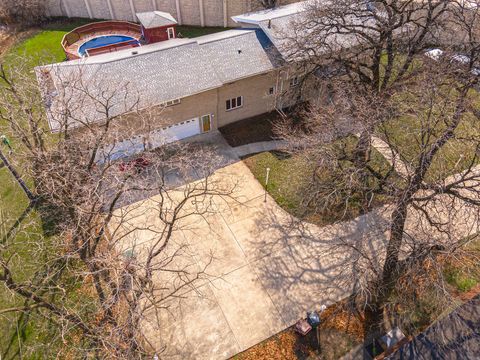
[
  {"x": 137, "y": 165},
  {"x": 303, "y": 327}
]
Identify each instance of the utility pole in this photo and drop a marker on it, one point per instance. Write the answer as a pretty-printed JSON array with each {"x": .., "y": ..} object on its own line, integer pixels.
[{"x": 17, "y": 177}]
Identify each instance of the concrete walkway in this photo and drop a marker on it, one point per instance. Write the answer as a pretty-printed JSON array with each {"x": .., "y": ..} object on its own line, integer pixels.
[
  {"x": 258, "y": 147},
  {"x": 391, "y": 156},
  {"x": 264, "y": 269}
]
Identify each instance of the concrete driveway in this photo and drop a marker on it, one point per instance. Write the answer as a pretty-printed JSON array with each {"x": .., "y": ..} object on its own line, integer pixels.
[
  {"x": 263, "y": 271},
  {"x": 246, "y": 270}
]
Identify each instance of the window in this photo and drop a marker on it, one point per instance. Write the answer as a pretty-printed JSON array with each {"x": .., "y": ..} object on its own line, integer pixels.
[
  {"x": 234, "y": 103},
  {"x": 171, "y": 33},
  {"x": 271, "y": 91},
  {"x": 294, "y": 81},
  {"x": 171, "y": 102}
]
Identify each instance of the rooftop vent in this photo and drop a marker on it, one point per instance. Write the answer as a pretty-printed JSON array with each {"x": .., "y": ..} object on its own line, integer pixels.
[{"x": 239, "y": 51}]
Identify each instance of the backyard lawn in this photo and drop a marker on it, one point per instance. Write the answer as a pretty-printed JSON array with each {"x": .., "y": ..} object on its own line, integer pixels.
[
  {"x": 290, "y": 177},
  {"x": 408, "y": 132}
]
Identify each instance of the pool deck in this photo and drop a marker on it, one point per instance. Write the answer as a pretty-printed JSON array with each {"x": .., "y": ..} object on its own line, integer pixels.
[{"x": 72, "y": 50}]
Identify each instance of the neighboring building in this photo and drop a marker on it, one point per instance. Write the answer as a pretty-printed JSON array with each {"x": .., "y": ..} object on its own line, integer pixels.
[
  {"x": 187, "y": 86},
  {"x": 455, "y": 336},
  {"x": 157, "y": 26},
  {"x": 187, "y": 12}
]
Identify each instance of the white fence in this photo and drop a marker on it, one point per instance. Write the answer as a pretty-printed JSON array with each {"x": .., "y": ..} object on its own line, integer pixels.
[{"x": 187, "y": 12}]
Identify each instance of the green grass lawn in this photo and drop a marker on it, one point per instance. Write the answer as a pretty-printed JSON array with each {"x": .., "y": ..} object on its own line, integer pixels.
[
  {"x": 290, "y": 177},
  {"x": 196, "y": 31},
  {"x": 44, "y": 46},
  {"x": 454, "y": 157}
]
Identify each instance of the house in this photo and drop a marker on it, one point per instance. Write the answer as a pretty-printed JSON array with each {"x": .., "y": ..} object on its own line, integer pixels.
[{"x": 187, "y": 86}]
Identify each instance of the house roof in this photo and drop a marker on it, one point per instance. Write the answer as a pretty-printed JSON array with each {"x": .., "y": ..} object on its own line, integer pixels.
[
  {"x": 256, "y": 17},
  {"x": 288, "y": 25},
  {"x": 456, "y": 336},
  {"x": 237, "y": 54},
  {"x": 154, "y": 19},
  {"x": 157, "y": 73}
]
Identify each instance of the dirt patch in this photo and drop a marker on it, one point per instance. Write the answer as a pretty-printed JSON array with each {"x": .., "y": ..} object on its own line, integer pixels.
[
  {"x": 9, "y": 36},
  {"x": 340, "y": 332},
  {"x": 255, "y": 129}
]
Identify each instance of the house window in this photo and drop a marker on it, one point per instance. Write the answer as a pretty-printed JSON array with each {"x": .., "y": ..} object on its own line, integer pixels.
[
  {"x": 271, "y": 91},
  {"x": 234, "y": 103},
  {"x": 171, "y": 33},
  {"x": 171, "y": 103},
  {"x": 295, "y": 81}
]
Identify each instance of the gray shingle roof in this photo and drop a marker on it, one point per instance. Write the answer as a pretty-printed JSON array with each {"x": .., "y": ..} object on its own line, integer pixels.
[
  {"x": 153, "y": 19},
  {"x": 158, "y": 73},
  {"x": 241, "y": 54},
  {"x": 455, "y": 337}
]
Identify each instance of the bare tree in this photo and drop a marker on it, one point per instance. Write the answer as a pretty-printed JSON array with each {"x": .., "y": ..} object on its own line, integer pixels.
[
  {"x": 25, "y": 12},
  {"x": 100, "y": 280},
  {"x": 434, "y": 206},
  {"x": 264, "y": 4}
]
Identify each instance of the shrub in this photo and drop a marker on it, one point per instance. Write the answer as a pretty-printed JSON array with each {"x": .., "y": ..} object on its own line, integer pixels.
[
  {"x": 459, "y": 280},
  {"x": 23, "y": 12}
]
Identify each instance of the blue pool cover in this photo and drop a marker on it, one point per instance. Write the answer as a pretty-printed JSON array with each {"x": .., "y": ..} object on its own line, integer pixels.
[{"x": 103, "y": 41}]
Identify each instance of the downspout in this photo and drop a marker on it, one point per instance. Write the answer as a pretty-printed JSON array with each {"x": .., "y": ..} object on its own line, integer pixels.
[
  {"x": 202, "y": 13},
  {"x": 225, "y": 13},
  {"x": 179, "y": 12}
]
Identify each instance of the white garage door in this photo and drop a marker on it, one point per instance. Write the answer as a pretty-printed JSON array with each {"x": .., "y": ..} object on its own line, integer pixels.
[
  {"x": 157, "y": 138},
  {"x": 175, "y": 132}
]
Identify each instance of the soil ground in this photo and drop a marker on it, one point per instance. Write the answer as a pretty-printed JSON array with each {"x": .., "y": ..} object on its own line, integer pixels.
[{"x": 255, "y": 129}]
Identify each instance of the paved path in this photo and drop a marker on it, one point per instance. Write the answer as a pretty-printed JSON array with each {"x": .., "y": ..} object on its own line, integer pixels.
[
  {"x": 258, "y": 147},
  {"x": 265, "y": 270},
  {"x": 391, "y": 156}
]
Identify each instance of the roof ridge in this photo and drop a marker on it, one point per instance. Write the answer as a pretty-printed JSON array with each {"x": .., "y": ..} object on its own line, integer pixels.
[
  {"x": 84, "y": 60},
  {"x": 240, "y": 30}
]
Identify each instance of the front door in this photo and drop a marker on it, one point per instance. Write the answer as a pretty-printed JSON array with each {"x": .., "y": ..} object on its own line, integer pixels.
[{"x": 206, "y": 123}]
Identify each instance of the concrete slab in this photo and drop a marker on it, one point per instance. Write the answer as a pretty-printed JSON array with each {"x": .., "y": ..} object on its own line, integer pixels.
[
  {"x": 216, "y": 248},
  {"x": 191, "y": 327},
  {"x": 250, "y": 312}
]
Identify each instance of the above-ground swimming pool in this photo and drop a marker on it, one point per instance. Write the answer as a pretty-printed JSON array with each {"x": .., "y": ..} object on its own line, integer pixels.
[{"x": 102, "y": 41}]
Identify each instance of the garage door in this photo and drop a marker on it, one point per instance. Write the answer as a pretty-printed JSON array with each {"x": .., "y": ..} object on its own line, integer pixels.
[
  {"x": 157, "y": 138},
  {"x": 175, "y": 132}
]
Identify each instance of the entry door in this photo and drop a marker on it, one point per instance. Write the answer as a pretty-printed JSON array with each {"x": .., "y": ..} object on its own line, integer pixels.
[{"x": 206, "y": 123}]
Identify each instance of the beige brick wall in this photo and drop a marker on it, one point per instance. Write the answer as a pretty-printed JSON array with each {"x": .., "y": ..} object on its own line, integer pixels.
[
  {"x": 157, "y": 117},
  {"x": 190, "y": 9},
  {"x": 256, "y": 99}
]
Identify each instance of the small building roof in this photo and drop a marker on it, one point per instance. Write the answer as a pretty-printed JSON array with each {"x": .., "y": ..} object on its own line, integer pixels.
[{"x": 154, "y": 19}]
